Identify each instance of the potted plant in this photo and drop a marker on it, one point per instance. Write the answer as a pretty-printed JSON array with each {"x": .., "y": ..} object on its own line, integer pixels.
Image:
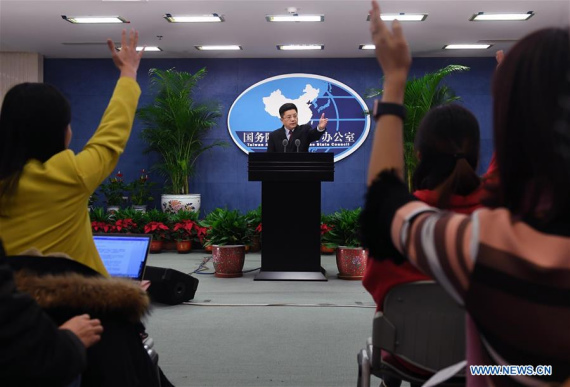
[
  {"x": 156, "y": 226},
  {"x": 113, "y": 191},
  {"x": 101, "y": 221},
  {"x": 325, "y": 228},
  {"x": 129, "y": 221},
  {"x": 421, "y": 95},
  {"x": 253, "y": 219},
  {"x": 176, "y": 126},
  {"x": 139, "y": 190},
  {"x": 343, "y": 236},
  {"x": 228, "y": 236}
]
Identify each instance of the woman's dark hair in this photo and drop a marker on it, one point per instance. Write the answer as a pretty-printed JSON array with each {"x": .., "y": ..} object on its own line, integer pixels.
[
  {"x": 448, "y": 143},
  {"x": 531, "y": 91},
  {"x": 33, "y": 123}
]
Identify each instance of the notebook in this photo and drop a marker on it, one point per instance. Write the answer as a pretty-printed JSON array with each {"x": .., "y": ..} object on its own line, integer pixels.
[{"x": 124, "y": 255}]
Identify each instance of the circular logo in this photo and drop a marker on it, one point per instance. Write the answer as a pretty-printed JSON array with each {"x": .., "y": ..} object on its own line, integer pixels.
[{"x": 255, "y": 113}]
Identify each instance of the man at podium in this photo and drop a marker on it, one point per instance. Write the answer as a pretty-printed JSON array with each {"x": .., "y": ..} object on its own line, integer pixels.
[{"x": 293, "y": 138}]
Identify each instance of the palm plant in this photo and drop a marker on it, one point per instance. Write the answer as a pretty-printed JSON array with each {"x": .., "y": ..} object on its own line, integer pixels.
[
  {"x": 176, "y": 125},
  {"x": 421, "y": 95}
]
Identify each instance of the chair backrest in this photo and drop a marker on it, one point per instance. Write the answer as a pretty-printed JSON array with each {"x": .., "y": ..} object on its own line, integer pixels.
[{"x": 422, "y": 325}]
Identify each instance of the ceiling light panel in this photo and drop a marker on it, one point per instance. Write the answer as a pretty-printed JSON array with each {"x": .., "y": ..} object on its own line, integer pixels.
[
  {"x": 466, "y": 46},
  {"x": 366, "y": 47},
  {"x": 227, "y": 47},
  {"x": 294, "y": 47},
  {"x": 210, "y": 18},
  {"x": 295, "y": 18},
  {"x": 403, "y": 17},
  {"x": 482, "y": 16},
  {"x": 95, "y": 19}
]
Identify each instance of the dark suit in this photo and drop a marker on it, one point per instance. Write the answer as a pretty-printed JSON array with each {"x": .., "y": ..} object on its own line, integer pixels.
[{"x": 302, "y": 132}]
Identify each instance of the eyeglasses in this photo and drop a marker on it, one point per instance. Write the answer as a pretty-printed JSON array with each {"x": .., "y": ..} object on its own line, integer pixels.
[{"x": 289, "y": 117}]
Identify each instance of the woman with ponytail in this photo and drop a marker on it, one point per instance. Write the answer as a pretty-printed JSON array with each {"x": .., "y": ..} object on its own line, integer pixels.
[{"x": 447, "y": 145}]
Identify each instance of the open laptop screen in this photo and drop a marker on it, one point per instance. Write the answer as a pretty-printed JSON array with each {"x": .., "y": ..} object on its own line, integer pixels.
[{"x": 124, "y": 255}]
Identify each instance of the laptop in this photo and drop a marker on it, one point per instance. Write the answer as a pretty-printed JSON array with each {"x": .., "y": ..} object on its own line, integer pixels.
[{"x": 124, "y": 255}]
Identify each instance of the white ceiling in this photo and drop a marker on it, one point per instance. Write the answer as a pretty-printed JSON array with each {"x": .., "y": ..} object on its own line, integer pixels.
[{"x": 37, "y": 26}]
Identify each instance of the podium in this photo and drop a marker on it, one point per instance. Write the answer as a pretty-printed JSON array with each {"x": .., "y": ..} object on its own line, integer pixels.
[{"x": 291, "y": 213}]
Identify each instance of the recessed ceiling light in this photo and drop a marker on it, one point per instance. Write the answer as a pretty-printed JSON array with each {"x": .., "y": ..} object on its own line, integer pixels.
[
  {"x": 210, "y": 18},
  {"x": 466, "y": 46},
  {"x": 483, "y": 16},
  {"x": 366, "y": 47},
  {"x": 227, "y": 47},
  {"x": 95, "y": 19},
  {"x": 146, "y": 49},
  {"x": 404, "y": 17},
  {"x": 292, "y": 47},
  {"x": 295, "y": 18}
]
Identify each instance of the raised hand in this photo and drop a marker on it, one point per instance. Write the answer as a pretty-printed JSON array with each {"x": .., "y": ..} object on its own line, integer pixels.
[
  {"x": 499, "y": 56},
  {"x": 86, "y": 329},
  {"x": 323, "y": 122},
  {"x": 127, "y": 60},
  {"x": 392, "y": 50}
]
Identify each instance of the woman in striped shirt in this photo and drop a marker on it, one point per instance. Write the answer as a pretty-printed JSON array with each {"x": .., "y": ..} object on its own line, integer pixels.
[{"x": 509, "y": 267}]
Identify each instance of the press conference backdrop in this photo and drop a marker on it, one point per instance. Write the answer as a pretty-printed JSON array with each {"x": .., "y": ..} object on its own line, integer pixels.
[{"x": 221, "y": 176}]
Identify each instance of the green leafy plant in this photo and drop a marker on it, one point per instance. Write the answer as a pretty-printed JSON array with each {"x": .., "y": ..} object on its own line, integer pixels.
[
  {"x": 253, "y": 220},
  {"x": 101, "y": 220},
  {"x": 113, "y": 190},
  {"x": 343, "y": 230},
  {"x": 421, "y": 95},
  {"x": 156, "y": 223},
  {"x": 129, "y": 220},
  {"x": 226, "y": 227},
  {"x": 139, "y": 189},
  {"x": 176, "y": 125}
]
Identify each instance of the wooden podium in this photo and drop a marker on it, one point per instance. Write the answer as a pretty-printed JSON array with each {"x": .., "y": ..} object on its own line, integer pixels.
[{"x": 291, "y": 213}]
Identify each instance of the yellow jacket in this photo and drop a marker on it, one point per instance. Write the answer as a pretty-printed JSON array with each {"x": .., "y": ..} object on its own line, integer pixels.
[{"x": 49, "y": 210}]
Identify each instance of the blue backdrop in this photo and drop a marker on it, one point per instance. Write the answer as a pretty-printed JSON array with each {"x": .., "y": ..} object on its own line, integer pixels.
[{"x": 221, "y": 176}]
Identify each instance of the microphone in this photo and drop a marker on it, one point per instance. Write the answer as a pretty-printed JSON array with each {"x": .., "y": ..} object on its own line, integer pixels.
[
  {"x": 297, "y": 143},
  {"x": 285, "y": 143}
]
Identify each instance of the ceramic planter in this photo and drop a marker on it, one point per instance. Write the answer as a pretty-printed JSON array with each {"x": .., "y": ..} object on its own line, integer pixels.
[
  {"x": 155, "y": 247},
  {"x": 175, "y": 203},
  {"x": 228, "y": 260},
  {"x": 183, "y": 247},
  {"x": 327, "y": 250},
  {"x": 139, "y": 207},
  {"x": 351, "y": 262},
  {"x": 255, "y": 243},
  {"x": 208, "y": 248}
]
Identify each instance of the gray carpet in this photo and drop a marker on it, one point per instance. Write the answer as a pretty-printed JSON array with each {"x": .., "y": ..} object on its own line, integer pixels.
[{"x": 236, "y": 339}]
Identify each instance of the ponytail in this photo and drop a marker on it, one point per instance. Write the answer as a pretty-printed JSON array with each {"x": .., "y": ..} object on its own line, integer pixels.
[{"x": 463, "y": 180}]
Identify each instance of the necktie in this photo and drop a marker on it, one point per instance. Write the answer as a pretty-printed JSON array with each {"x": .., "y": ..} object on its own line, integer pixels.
[{"x": 290, "y": 134}]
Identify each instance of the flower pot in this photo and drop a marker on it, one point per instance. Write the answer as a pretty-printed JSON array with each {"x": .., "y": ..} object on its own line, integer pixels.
[
  {"x": 208, "y": 248},
  {"x": 112, "y": 209},
  {"x": 169, "y": 245},
  {"x": 155, "y": 247},
  {"x": 139, "y": 207},
  {"x": 183, "y": 247},
  {"x": 327, "y": 250},
  {"x": 228, "y": 260},
  {"x": 175, "y": 203},
  {"x": 351, "y": 262},
  {"x": 255, "y": 244}
]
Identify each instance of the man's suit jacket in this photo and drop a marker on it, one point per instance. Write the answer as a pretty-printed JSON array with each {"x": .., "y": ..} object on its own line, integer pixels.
[{"x": 302, "y": 132}]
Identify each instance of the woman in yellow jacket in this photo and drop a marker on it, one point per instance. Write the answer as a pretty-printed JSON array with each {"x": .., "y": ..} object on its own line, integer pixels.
[{"x": 44, "y": 186}]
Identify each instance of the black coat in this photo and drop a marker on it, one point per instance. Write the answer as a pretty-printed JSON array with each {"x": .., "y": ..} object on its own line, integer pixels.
[
  {"x": 302, "y": 132},
  {"x": 33, "y": 351}
]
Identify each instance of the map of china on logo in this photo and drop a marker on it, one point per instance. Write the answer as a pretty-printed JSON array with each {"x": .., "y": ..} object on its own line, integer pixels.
[{"x": 255, "y": 113}]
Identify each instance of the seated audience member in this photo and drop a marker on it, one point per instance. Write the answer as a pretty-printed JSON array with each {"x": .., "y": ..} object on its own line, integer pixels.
[
  {"x": 44, "y": 186},
  {"x": 509, "y": 267},
  {"x": 447, "y": 144},
  {"x": 33, "y": 351}
]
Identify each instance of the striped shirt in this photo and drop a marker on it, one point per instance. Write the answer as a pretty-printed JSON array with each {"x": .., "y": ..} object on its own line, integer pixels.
[{"x": 512, "y": 279}]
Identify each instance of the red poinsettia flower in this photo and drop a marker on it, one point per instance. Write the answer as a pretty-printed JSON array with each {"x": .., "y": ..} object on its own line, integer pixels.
[
  {"x": 258, "y": 228},
  {"x": 325, "y": 228},
  {"x": 102, "y": 227},
  {"x": 200, "y": 232},
  {"x": 125, "y": 225}
]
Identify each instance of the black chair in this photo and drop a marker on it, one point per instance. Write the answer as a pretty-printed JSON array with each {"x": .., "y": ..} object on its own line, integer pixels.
[{"x": 421, "y": 325}]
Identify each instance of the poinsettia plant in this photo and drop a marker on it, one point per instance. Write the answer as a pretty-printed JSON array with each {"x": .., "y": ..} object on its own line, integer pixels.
[
  {"x": 126, "y": 225},
  {"x": 158, "y": 230},
  {"x": 183, "y": 230}
]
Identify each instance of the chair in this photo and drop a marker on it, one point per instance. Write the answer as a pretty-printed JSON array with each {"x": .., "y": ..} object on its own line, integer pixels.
[{"x": 421, "y": 325}]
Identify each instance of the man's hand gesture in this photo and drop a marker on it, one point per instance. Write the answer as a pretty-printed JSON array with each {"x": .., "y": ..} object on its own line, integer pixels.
[{"x": 323, "y": 122}]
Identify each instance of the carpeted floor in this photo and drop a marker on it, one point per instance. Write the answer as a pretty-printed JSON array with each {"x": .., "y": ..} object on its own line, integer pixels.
[{"x": 234, "y": 334}]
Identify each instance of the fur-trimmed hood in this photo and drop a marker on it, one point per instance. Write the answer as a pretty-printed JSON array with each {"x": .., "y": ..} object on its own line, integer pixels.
[{"x": 97, "y": 296}]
